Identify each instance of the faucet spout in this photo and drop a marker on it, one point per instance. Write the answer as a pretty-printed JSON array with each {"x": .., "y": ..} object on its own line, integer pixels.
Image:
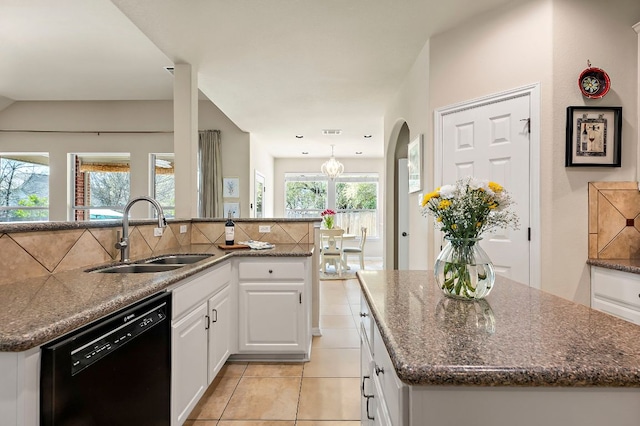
[{"x": 123, "y": 244}]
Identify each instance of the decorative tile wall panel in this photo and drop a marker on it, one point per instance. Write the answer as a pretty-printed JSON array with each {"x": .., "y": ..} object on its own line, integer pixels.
[{"x": 614, "y": 224}]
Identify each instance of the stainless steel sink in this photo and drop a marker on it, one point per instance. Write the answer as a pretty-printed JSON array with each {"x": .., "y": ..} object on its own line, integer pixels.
[
  {"x": 138, "y": 268},
  {"x": 178, "y": 259}
]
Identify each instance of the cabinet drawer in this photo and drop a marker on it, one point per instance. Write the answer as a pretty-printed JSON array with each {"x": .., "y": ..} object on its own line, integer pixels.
[
  {"x": 198, "y": 288},
  {"x": 616, "y": 310},
  {"x": 394, "y": 392},
  {"x": 616, "y": 286},
  {"x": 271, "y": 271},
  {"x": 366, "y": 322}
]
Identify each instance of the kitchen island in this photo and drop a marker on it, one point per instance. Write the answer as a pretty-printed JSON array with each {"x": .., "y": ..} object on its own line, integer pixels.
[
  {"x": 36, "y": 310},
  {"x": 521, "y": 357}
]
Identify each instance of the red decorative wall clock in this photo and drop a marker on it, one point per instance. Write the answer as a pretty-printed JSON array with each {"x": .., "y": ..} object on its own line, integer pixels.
[{"x": 593, "y": 82}]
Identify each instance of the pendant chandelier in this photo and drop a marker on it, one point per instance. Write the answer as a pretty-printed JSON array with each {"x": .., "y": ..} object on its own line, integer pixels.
[{"x": 332, "y": 168}]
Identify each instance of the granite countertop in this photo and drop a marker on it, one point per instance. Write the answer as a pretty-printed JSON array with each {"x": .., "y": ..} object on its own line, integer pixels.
[
  {"x": 624, "y": 265},
  {"x": 36, "y": 310},
  {"x": 518, "y": 336}
]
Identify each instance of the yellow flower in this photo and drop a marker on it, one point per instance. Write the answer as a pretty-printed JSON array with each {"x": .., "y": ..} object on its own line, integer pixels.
[
  {"x": 478, "y": 225},
  {"x": 444, "y": 204},
  {"x": 439, "y": 219},
  {"x": 493, "y": 205},
  {"x": 495, "y": 187},
  {"x": 429, "y": 196},
  {"x": 454, "y": 226}
]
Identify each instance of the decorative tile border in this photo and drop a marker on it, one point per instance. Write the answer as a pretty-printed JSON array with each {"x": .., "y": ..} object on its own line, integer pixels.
[
  {"x": 30, "y": 252},
  {"x": 614, "y": 220}
]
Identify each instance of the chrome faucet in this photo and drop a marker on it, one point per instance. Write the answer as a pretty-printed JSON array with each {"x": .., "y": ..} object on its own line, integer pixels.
[{"x": 123, "y": 244}]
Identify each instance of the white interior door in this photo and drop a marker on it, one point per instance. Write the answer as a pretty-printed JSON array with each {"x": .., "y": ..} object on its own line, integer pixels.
[
  {"x": 403, "y": 214},
  {"x": 491, "y": 141}
]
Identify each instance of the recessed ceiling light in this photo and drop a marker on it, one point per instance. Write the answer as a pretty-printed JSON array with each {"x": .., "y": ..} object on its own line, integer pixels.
[
  {"x": 358, "y": 152},
  {"x": 299, "y": 136},
  {"x": 367, "y": 136},
  {"x": 332, "y": 132},
  {"x": 305, "y": 152}
]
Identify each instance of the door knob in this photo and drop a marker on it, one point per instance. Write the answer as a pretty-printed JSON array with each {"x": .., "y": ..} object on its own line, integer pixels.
[{"x": 404, "y": 234}]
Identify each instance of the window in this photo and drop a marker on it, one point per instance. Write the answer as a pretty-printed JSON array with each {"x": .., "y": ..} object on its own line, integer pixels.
[
  {"x": 305, "y": 196},
  {"x": 101, "y": 186},
  {"x": 24, "y": 187},
  {"x": 164, "y": 182},
  {"x": 353, "y": 196}
]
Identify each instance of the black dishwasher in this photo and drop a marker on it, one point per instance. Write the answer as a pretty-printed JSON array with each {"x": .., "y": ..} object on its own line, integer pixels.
[{"x": 115, "y": 371}]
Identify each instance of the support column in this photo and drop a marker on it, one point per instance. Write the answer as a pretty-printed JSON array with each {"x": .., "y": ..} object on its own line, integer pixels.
[{"x": 185, "y": 139}]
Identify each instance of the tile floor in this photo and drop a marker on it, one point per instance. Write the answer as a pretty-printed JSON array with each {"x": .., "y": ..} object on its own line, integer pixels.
[{"x": 322, "y": 392}]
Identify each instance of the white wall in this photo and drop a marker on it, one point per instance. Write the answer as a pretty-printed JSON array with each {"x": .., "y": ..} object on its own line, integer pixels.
[
  {"x": 581, "y": 31},
  {"x": 235, "y": 150},
  {"x": 262, "y": 162},
  {"x": 545, "y": 41},
  {"x": 411, "y": 105},
  {"x": 153, "y": 116},
  {"x": 351, "y": 165}
]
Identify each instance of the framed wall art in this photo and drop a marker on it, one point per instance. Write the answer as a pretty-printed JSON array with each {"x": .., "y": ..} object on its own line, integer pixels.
[
  {"x": 415, "y": 164},
  {"x": 234, "y": 208},
  {"x": 594, "y": 136},
  {"x": 231, "y": 187}
]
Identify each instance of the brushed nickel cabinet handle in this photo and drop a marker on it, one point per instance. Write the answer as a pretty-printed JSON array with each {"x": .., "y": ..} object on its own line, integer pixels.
[{"x": 368, "y": 415}]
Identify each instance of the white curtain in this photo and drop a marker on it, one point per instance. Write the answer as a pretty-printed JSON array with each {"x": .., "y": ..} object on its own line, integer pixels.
[{"x": 210, "y": 173}]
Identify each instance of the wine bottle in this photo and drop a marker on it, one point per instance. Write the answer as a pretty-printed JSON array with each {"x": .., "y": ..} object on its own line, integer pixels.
[{"x": 229, "y": 231}]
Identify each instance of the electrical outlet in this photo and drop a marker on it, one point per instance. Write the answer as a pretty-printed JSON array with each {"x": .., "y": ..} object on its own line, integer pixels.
[
  {"x": 157, "y": 232},
  {"x": 264, "y": 229},
  {"x": 183, "y": 229}
]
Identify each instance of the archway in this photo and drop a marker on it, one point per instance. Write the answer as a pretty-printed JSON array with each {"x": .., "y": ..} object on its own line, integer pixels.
[{"x": 397, "y": 148}]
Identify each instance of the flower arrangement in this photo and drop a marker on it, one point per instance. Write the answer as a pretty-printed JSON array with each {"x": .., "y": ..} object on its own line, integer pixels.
[
  {"x": 469, "y": 208},
  {"x": 328, "y": 217},
  {"x": 464, "y": 211}
]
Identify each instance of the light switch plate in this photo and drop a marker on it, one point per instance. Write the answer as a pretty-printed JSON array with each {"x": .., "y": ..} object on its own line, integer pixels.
[
  {"x": 264, "y": 229},
  {"x": 157, "y": 232},
  {"x": 183, "y": 229}
]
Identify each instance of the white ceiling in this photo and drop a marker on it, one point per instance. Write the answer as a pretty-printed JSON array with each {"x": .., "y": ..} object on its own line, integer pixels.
[{"x": 276, "y": 68}]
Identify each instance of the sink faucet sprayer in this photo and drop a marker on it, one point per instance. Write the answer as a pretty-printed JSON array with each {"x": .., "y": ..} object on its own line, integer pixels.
[{"x": 123, "y": 244}]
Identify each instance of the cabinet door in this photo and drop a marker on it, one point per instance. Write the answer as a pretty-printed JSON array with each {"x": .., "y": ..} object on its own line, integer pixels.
[
  {"x": 188, "y": 363},
  {"x": 271, "y": 317},
  {"x": 220, "y": 314},
  {"x": 367, "y": 401},
  {"x": 382, "y": 417}
]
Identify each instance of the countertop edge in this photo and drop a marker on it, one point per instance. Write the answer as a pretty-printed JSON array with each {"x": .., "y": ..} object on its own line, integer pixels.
[
  {"x": 470, "y": 376},
  {"x": 16, "y": 342},
  {"x": 624, "y": 265}
]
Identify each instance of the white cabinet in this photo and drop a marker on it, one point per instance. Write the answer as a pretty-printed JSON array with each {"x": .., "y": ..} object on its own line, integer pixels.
[
  {"x": 274, "y": 313},
  {"x": 384, "y": 397},
  {"x": 616, "y": 292},
  {"x": 19, "y": 388},
  {"x": 189, "y": 363},
  {"x": 271, "y": 317},
  {"x": 221, "y": 314},
  {"x": 199, "y": 347}
]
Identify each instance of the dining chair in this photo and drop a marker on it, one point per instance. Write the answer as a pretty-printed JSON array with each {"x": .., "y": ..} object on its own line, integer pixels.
[
  {"x": 351, "y": 251},
  {"x": 331, "y": 252}
]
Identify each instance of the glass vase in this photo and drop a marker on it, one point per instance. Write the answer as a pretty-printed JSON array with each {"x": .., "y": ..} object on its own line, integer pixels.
[
  {"x": 463, "y": 270},
  {"x": 328, "y": 221}
]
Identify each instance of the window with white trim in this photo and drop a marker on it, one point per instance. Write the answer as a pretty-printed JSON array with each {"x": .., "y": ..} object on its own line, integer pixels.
[
  {"x": 24, "y": 187},
  {"x": 101, "y": 186},
  {"x": 354, "y": 197}
]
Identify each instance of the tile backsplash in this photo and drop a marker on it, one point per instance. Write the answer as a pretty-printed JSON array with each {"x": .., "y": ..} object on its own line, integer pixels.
[
  {"x": 614, "y": 220},
  {"x": 37, "y": 253}
]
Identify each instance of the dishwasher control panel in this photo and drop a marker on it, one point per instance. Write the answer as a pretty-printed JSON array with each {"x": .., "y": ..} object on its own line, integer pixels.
[{"x": 91, "y": 352}]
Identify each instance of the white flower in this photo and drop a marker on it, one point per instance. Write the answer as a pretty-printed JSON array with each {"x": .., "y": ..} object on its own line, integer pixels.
[
  {"x": 476, "y": 183},
  {"x": 447, "y": 192}
]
